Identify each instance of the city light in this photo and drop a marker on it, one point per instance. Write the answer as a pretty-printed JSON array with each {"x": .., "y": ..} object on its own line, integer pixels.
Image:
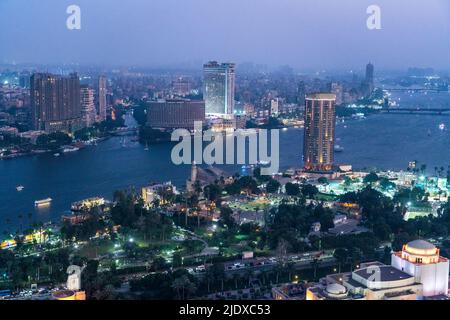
[{"x": 153, "y": 170}]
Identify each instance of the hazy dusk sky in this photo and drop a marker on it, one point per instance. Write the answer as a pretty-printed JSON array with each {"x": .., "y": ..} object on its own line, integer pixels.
[{"x": 321, "y": 34}]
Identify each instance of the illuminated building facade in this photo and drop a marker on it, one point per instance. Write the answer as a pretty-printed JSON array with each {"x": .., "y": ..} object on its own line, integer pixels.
[
  {"x": 69, "y": 295},
  {"x": 320, "y": 122},
  {"x": 219, "y": 88},
  {"x": 55, "y": 102},
  {"x": 421, "y": 259},
  {"x": 101, "y": 112},
  {"x": 175, "y": 114},
  {"x": 87, "y": 106},
  {"x": 415, "y": 273},
  {"x": 152, "y": 193},
  {"x": 368, "y": 84}
]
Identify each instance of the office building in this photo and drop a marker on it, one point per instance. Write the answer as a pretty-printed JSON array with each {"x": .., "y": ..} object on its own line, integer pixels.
[
  {"x": 175, "y": 114},
  {"x": 24, "y": 80},
  {"x": 88, "y": 113},
  {"x": 102, "y": 89},
  {"x": 320, "y": 122},
  {"x": 219, "y": 89},
  {"x": 369, "y": 84},
  {"x": 55, "y": 102},
  {"x": 181, "y": 87},
  {"x": 275, "y": 107}
]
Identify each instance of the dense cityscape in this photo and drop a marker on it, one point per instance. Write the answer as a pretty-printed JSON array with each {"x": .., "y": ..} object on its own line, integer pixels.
[{"x": 104, "y": 199}]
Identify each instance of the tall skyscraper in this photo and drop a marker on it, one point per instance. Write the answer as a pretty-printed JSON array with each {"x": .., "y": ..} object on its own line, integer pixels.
[
  {"x": 101, "y": 112},
  {"x": 320, "y": 122},
  {"x": 87, "y": 106},
  {"x": 55, "y": 102},
  {"x": 219, "y": 88},
  {"x": 369, "y": 84}
]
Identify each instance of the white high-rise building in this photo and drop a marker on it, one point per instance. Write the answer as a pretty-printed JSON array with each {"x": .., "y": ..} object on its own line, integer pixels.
[
  {"x": 101, "y": 112},
  {"x": 219, "y": 89},
  {"x": 87, "y": 106}
]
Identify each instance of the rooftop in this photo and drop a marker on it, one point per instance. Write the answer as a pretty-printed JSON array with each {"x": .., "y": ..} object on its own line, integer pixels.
[
  {"x": 383, "y": 273},
  {"x": 421, "y": 245}
]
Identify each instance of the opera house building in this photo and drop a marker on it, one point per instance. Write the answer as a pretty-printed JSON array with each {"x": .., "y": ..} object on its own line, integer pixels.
[{"x": 418, "y": 272}]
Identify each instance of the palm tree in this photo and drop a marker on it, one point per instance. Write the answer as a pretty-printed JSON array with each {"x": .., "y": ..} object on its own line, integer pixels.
[
  {"x": 315, "y": 264},
  {"x": 30, "y": 218},
  {"x": 20, "y": 216},
  {"x": 290, "y": 268},
  {"x": 341, "y": 256},
  {"x": 423, "y": 168},
  {"x": 7, "y": 221},
  {"x": 278, "y": 269},
  {"x": 249, "y": 275},
  {"x": 209, "y": 276},
  {"x": 178, "y": 285},
  {"x": 236, "y": 278},
  {"x": 191, "y": 288}
]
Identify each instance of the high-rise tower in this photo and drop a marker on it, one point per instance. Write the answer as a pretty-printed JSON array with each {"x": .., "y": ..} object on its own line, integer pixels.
[
  {"x": 320, "y": 122},
  {"x": 101, "y": 112},
  {"x": 219, "y": 88},
  {"x": 87, "y": 105},
  {"x": 55, "y": 102},
  {"x": 369, "y": 83}
]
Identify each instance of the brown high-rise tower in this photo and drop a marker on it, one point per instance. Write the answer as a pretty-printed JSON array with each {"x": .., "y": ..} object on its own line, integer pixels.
[{"x": 320, "y": 123}]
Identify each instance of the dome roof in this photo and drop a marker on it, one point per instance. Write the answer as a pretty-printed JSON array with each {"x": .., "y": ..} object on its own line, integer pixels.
[
  {"x": 336, "y": 289},
  {"x": 421, "y": 247}
]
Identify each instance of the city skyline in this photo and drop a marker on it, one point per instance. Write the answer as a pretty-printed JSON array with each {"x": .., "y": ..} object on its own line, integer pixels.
[
  {"x": 279, "y": 33},
  {"x": 142, "y": 157}
]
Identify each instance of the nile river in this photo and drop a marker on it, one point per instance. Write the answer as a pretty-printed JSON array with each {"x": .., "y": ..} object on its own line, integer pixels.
[{"x": 383, "y": 141}]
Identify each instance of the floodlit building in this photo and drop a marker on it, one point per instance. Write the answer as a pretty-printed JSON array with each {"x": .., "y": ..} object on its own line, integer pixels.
[
  {"x": 291, "y": 291},
  {"x": 55, "y": 102},
  {"x": 421, "y": 259},
  {"x": 175, "y": 114},
  {"x": 155, "y": 192},
  {"x": 219, "y": 88},
  {"x": 102, "y": 89},
  {"x": 415, "y": 273},
  {"x": 87, "y": 105},
  {"x": 319, "y": 139},
  {"x": 69, "y": 295}
]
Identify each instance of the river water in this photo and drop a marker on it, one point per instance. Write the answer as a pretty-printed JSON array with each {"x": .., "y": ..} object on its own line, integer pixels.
[{"x": 383, "y": 141}]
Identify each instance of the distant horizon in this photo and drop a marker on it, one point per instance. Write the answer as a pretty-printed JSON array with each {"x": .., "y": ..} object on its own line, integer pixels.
[
  {"x": 305, "y": 34},
  {"x": 28, "y": 66}
]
